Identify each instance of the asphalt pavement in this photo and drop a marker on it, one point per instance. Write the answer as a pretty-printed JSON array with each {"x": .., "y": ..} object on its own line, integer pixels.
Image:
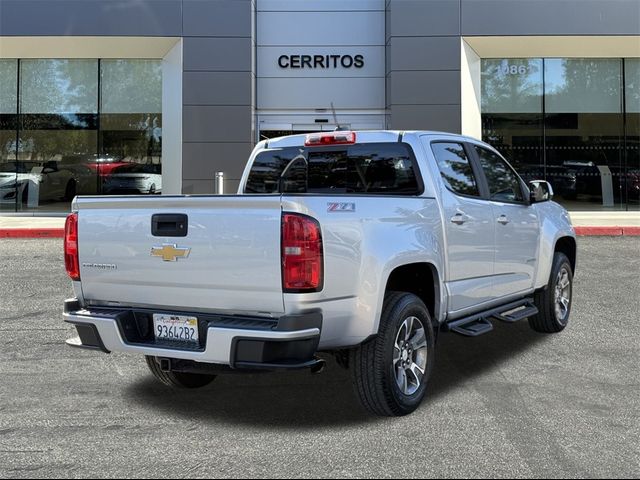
[{"x": 512, "y": 403}]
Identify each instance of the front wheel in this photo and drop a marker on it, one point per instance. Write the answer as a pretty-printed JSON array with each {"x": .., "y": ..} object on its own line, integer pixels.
[
  {"x": 554, "y": 302},
  {"x": 178, "y": 379},
  {"x": 390, "y": 373}
]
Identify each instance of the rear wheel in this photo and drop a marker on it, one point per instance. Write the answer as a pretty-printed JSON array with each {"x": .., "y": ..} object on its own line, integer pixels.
[
  {"x": 178, "y": 379},
  {"x": 554, "y": 302},
  {"x": 390, "y": 373},
  {"x": 70, "y": 191}
]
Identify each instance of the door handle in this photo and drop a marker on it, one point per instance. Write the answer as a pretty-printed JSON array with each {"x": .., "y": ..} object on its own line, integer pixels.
[
  {"x": 169, "y": 225},
  {"x": 459, "y": 218},
  {"x": 503, "y": 219}
]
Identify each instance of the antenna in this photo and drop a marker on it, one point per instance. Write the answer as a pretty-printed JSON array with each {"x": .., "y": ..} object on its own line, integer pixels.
[{"x": 335, "y": 119}]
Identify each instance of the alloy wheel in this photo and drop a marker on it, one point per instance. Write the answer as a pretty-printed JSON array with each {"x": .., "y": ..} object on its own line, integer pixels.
[
  {"x": 410, "y": 356},
  {"x": 562, "y": 295}
]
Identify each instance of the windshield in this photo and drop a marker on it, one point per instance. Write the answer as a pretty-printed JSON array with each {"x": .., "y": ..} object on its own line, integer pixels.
[{"x": 380, "y": 168}]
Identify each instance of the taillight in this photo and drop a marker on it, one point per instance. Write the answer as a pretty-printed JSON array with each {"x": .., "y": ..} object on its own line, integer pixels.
[
  {"x": 302, "y": 263},
  {"x": 71, "y": 257},
  {"x": 333, "y": 138}
]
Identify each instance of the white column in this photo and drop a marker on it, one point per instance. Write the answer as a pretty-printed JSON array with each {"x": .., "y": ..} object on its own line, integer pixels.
[
  {"x": 172, "y": 121},
  {"x": 470, "y": 70}
]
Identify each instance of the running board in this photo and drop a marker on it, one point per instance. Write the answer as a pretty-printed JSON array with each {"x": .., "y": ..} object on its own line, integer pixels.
[
  {"x": 480, "y": 323},
  {"x": 527, "y": 310},
  {"x": 474, "y": 329}
]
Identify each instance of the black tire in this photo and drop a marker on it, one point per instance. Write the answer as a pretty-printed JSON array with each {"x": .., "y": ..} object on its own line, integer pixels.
[
  {"x": 372, "y": 364},
  {"x": 547, "y": 320},
  {"x": 70, "y": 191},
  {"x": 177, "y": 379}
]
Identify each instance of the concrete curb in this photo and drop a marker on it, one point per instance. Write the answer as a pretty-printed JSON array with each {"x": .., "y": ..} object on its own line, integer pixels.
[
  {"x": 32, "y": 233},
  {"x": 582, "y": 231},
  {"x": 601, "y": 231}
]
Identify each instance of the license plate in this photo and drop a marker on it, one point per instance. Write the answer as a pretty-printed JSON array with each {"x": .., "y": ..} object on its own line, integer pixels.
[{"x": 175, "y": 328}]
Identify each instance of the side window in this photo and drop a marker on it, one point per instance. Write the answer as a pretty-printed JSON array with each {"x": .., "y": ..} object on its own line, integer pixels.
[
  {"x": 386, "y": 168},
  {"x": 504, "y": 184},
  {"x": 455, "y": 168},
  {"x": 267, "y": 167}
]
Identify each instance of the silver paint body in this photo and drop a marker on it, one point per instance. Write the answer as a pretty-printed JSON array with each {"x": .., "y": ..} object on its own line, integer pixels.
[{"x": 234, "y": 265}]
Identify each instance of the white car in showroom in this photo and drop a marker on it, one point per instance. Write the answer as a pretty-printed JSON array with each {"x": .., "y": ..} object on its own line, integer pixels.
[
  {"x": 34, "y": 182},
  {"x": 134, "y": 178}
]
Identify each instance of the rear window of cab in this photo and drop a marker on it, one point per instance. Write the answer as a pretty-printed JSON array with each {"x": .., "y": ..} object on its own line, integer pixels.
[{"x": 367, "y": 168}]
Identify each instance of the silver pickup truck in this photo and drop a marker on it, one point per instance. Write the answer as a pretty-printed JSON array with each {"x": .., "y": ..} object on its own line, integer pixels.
[{"x": 364, "y": 245}]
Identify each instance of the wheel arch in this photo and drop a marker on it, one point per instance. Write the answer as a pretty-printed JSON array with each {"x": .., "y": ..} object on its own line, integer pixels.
[
  {"x": 568, "y": 246},
  {"x": 423, "y": 280}
]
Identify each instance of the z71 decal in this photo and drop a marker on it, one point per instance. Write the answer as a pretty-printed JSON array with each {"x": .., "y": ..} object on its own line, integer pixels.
[{"x": 341, "y": 207}]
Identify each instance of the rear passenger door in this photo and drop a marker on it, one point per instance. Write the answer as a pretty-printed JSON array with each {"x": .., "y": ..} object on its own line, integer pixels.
[
  {"x": 469, "y": 227},
  {"x": 516, "y": 223}
]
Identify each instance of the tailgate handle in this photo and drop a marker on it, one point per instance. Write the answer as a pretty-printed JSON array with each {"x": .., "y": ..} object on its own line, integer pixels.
[{"x": 169, "y": 225}]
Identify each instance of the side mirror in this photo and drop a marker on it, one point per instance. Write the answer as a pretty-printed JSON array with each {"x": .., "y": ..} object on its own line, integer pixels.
[{"x": 541, "y": 191}]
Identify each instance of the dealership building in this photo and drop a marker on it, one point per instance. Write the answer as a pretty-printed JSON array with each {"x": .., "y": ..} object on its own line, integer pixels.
[{"x": 156, "y": 96}]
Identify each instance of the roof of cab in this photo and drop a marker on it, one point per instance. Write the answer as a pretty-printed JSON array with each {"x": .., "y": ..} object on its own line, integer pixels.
[{"x": 362, "y": 136}]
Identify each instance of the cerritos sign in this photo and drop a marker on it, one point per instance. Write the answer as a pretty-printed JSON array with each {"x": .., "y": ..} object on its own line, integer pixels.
[{"x": 321, "y": 61}]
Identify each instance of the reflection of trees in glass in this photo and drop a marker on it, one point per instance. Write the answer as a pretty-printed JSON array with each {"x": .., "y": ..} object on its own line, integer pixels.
[
  {"x": 131, "y": 86},
  {"x": 131, "y": 122},
  {"x": 7, "y": 145},
  {"x": 460, "y": 178},
  {"x": 133, "y": 137},
  {"x": 48, "y": 145},
  {"x": 8, "y": 140},
  {"x": 58, "y": 106},
  {"x": 8, "y": 86},
  {"x": 583, "y": 85},
  {"x": 455, "y": 168},
  {"x": 266, "y": 171},
  {"x": 503, "y": 184},
  {"x": 632, "y": 79},
  {"x": 512, "y": 85},
  {"x": 379, "y": 168},
  {"x": 59, "y": 86},
  {"x": 584, "y": 122}
]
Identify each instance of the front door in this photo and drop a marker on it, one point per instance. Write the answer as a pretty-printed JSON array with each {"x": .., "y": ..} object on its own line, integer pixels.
[
  {"x": 516, "y": 222},
  {"x": 469, "y": 229}
]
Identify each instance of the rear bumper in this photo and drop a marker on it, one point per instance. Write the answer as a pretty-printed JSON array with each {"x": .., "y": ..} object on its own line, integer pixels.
[{"x": 239, "y": 342}]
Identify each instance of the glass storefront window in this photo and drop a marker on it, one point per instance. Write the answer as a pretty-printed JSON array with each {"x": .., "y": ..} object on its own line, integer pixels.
[
  {"x": 8, "y": 87},
  {"x": 512, "y": 86},
  {"x": 584, "y": 128},
  {"x": 512, "y": 119},
  {"x": 565, "y": 120},
  {"x": 8, "y": 129},
  {"x": 131, "y": 126},
  {"x": 78, "y": 127},
  {"x": 632, "y": 130},
  {"x": 58, "y": 130}
]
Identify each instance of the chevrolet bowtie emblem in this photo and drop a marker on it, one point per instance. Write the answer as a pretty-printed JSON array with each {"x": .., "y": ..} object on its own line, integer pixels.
[{"x": 170, "y": 253}]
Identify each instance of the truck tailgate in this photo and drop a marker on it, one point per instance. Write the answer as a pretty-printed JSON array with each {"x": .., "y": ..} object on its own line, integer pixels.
[{"x": 233, "y": 263}]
